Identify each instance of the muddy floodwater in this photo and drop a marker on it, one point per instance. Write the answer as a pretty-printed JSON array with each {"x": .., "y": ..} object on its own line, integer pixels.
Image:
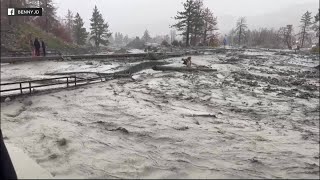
[{"x": 256, "y": 117}]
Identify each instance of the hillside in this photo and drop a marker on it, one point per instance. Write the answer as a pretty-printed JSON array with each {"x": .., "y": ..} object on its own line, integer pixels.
[{"x": 17, "y": 39}]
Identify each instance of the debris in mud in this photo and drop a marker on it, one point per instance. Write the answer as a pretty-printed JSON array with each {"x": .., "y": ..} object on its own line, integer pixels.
[
  {"x": 7, "y": 99},
  {"x": 121, "y": 129},
  {"x": 221, "y": 131},
  {"x": 181, "y": 69},
  {"x": 53, "y": 156},
  {"x": 260, "y": 138},
  {"x": 182, "y": 128},
  {"x": 297, "y": 93},
  {"x": 202, "y": 115},
  {"x": 254, "y": 160},
  {"x": 197, "y": 122},
  {"x": 89, "y": 63},
  {"x": 28, "y": 103},
  {"x": 62, "y": 142}
]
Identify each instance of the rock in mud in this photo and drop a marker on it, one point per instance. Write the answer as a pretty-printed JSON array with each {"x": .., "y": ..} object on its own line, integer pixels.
[
  {"x": 62, "y": 142},
  {"x": 53, "y": 156},
  {"x": 182, "y": 128},
  {"x": 7, "y": 99}
]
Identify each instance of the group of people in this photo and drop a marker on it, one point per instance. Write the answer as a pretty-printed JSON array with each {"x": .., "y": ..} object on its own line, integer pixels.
[{"x": 36, "y": 45}]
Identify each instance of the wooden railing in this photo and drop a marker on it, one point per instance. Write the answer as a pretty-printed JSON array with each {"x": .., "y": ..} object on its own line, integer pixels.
[{"x": 68, "y": 81}]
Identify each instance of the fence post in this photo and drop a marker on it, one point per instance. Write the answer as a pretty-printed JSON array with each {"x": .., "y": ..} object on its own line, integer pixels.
[
  {"x": 20, "y": 88},
  {"x": 67, "y": 82},
  {"x": 30, "y": 87},
  {"x": 75, "y": 80}
]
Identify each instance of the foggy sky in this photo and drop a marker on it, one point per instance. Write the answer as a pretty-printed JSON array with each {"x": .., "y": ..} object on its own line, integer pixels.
[{"x": 132, "y": 17}]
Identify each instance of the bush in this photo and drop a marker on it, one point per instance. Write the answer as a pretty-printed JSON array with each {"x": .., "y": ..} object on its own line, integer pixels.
[
  {"x": 316, "y": 50},
  {"x": 136, "y": 43},
  {"x": 175, "y": 43},
  {"x": 165, "y": 43}
]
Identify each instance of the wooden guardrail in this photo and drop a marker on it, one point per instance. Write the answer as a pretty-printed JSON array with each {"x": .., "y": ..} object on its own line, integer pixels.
[{"x": 69, "y": 81}]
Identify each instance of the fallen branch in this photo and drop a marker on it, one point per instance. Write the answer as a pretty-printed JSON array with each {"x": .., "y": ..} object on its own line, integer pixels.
[
  {"x": 201, "y": 115},
  {"x": 170, "y": 68}
]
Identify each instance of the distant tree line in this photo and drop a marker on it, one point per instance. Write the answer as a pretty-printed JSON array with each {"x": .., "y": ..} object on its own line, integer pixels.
[{"x": 284, "y": 37}]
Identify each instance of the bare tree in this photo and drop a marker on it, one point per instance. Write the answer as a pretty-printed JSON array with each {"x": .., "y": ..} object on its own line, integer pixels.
[
  {"x": 241, "y": 29},
  {"x": 285, "y": 34}
]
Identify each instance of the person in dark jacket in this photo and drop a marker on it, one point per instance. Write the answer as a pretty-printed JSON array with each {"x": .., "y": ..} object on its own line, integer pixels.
[
  {"x": 37, "y": 46},
  {"x": 43, "y": 46},
  {"x": 7, "y": 170}
]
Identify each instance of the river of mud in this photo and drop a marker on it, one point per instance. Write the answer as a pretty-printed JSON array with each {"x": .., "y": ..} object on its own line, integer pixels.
[{"x": 256, "y": 117}]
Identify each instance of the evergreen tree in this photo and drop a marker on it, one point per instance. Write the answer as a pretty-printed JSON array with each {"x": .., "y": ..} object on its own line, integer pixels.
[
  {"x": 80, "y": 33},
  {"x": 210, "y": 24},
  {"x": 241, "y": 29},
  {"x": 185, "y": 19},
  {"x": 118, "y": 38},
  {"x": 126, "y": 40},
  {"x": 146, "y": 36},
  {"x": 197, "y": 21},
  {"x": 316, "y": 27},
  {"x": 305, "y": 26},
  {"x": 70, "y": 22},
  {"x": 48, "y": 19},
  {"x": 99, "y": 29}
]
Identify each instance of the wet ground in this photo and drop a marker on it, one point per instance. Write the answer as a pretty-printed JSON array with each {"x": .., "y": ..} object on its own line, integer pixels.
[{"x": 256, "y": 117}]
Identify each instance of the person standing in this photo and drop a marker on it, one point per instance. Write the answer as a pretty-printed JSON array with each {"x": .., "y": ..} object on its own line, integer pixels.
[
  {"x": 37, "y": 46},
  {"x": 225, "y": 41},
  {"x": 43, "y": 45}
]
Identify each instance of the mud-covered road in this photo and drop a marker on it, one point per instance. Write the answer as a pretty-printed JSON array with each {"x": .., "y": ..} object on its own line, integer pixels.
[{"x": 256, "y": 117}]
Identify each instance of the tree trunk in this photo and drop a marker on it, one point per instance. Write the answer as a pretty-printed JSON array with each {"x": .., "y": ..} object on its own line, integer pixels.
[
  {"x": 303, "y": 35},
  {"x": 240, "y": 36},
  {"x": 187, "y": 34},
  {"x": 205, "y": 35}
]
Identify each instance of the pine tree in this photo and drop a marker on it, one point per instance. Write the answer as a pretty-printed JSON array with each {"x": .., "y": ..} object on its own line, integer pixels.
[
  {"x": 70, "y": 22},
  {"x": 99, "y": 29},
  {"x": 48, "y": 19},
  {"x": 185, "y": 19},
  {"x": 316, "y": 22},
  {"x": 80, "y": 33},
  {"x": 126, "y": 40},
  {"x": 210, "y": 24},
  {"x": 241, "y": 29},
  {"x": 172, "y": 36},
  {"x": 146, "y": 36},
  {"x": 305, "y": 25},
  {"x": 197, "y": 21}
]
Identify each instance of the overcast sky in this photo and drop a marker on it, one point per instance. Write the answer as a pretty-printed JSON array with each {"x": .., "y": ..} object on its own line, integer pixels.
[{"x": 132, "y": 17}]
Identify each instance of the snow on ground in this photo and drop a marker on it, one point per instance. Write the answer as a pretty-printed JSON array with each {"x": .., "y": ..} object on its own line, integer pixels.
[{"x": 234, "y": 123}]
